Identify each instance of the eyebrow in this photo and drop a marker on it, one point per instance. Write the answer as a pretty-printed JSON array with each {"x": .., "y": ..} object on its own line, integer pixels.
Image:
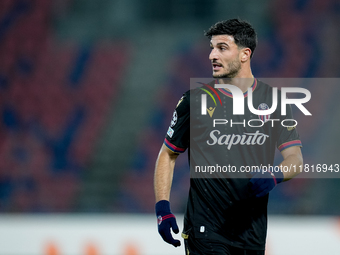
[{"x": 219, "y": 44}]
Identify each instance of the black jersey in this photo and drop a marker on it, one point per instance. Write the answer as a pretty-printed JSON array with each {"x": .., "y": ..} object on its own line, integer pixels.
[{"x": 220, "y": 206}]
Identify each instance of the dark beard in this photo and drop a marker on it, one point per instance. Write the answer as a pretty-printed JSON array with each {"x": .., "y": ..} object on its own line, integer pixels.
[{"x": 234, "y": 68}]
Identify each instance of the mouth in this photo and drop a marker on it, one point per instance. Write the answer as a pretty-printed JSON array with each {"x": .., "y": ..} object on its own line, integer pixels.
[{"x": 216, "y": 67}]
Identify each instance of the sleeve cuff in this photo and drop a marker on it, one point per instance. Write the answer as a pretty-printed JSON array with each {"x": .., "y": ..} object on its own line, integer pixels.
[
  {"x": 290, "y": 144},
  {"x": 173, "y": 147}
]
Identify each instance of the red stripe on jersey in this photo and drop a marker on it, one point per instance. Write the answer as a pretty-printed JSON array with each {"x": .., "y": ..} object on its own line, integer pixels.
[
  {"x": 173, "y": 147},
  {"x": 289, "y": 144}
]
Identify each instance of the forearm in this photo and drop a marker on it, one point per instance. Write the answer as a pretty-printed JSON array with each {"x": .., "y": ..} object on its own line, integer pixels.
[
  {"x": 163, "y": 174},
  {"x": 290, "y": 165}
]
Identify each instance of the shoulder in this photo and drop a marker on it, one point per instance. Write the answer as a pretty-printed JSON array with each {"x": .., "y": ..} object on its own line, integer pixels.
[
  {"x": 183, "y": 103},
  {"x": 201, "y": 88},
  {"x": 264, "y": 87},
  {"x": 265, "y": 90},
  {"x": 188, "y": 98},
  {"x": 192, "y": 93}
]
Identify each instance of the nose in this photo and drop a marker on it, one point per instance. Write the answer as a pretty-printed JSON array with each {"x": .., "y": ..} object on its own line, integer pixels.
[{"x": 213, "y": 54}]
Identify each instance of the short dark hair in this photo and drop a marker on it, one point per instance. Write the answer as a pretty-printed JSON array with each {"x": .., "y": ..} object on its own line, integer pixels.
[{"x": 242, "y": 31}]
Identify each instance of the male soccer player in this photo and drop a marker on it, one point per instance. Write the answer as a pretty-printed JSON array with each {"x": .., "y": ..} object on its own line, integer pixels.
[{"x": 225, "y": 215}]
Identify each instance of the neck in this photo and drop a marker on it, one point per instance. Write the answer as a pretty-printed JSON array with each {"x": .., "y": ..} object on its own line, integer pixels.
[{"x": 243, "y": 80}]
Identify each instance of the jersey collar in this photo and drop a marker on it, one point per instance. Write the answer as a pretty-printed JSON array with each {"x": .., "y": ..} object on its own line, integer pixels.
[{"x": 229, "y": 94}]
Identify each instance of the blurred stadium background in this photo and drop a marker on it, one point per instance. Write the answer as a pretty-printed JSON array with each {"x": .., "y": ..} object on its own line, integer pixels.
[{"x": 87, "y": 91}]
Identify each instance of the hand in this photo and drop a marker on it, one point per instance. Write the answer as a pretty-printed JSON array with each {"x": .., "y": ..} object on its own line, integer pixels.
[
  {"x": 166, "y": 220},
  {"x": 264, "y": 181}
]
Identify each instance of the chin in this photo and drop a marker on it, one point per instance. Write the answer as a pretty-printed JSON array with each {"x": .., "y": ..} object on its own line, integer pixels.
[
  {"x": 221, "y": 76},
  {"x": 217, "y": 75}
]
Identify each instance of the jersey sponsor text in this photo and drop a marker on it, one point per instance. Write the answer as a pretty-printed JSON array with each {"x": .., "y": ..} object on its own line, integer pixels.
[{"x": 256, "y": 138}]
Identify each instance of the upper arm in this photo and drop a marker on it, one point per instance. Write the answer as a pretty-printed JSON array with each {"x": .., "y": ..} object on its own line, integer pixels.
[
  {"x": 295, "y": 151},
  {"x": 177, "y": 136},
  {"x": 288, "y": 139},
  {"x": 165, "y": 151},
  {"x": 292, "y": 160}
]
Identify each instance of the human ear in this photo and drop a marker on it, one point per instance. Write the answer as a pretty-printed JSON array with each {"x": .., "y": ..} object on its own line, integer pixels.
[{"x": 245, "y": 54}]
